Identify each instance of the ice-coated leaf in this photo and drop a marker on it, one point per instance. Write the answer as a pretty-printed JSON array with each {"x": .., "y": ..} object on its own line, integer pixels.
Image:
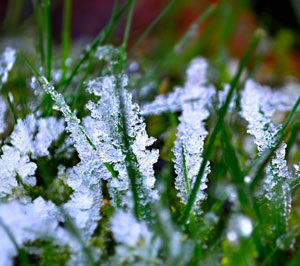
[
  {"x": 27, "y": 223},
  {"x": 195, "y": 87},
  {"x": 136, "y": 243},
  {"x": 191, "y": 132},
  {"x": 258, "y": 106},
  {"x": 7, "y": 60},
  {"x": 3, "y": 108},
  {"x": 13, "y": 163},
  {"x": 118, "y": 130},
  {"x": 35, "y": 135}
]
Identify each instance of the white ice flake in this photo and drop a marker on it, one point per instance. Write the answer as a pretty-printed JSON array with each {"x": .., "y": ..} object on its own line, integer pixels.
[
  {"x": 26, "y": 222},
  {"x": 7, "y": 60},
  {"x": 258, "y": 106},
  {"x": 191, "y": 134},
  {"x": 195, "y": 87},
  {"x": 135, "y": 242},
  {"x": 113, "y": 117},
  {"x": 13, "y": 163},
  {"x": 35, "y": 135},
  {"x": 3, "y": 108}
]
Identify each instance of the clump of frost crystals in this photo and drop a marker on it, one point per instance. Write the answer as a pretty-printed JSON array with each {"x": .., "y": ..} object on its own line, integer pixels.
[
  {"x": 36, "y": 220},
  {"x": 30, "y": 138},
  {"x": 7, "y": 60},
  {"x": 195, "y": 88},
  {"x": 191, "y": 133},
  {"x": 84, "y": 178},
  {"x": 119, "y": 132},
  {"x": 258, "y": 106},
  {"x": 3, "y": 108},
  {"x": 135, "y": 242}
]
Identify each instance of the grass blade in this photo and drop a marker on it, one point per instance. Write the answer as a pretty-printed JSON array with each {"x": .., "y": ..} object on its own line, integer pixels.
[
  {"x": 223, "y": 110},
  {"x": 66, "y": 42}
]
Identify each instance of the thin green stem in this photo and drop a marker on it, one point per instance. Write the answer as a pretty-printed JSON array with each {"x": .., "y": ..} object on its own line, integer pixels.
[
  {"x": 152, "y": 25},
  {"x": 39, "y": 23},
  {"x": 95, "y": 43},
  {"x": 22, "y": 256},
  {"x": 66, "y": 43},
  {"x": 115, "y": 8},
  {"x": 211, "y": 142},
  {"x": 128, "y": 23},
  {"x": 47, "y": 21}
]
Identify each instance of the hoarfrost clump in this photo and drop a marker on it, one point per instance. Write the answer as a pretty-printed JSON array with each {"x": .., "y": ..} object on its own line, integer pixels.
[
  {"x": 28, "y": 222},
  {"x": 258, "y": 106},
  {"x": 136, "y": 243},
  {"x": 194, "y": 88},
  {"x": 118, "y": 130},
  {"x": 3, "y": 109},
  {"x": 191, "y": 133},
  {"x": 7, "y": 60},
  {"x": 30, "y": 138}
]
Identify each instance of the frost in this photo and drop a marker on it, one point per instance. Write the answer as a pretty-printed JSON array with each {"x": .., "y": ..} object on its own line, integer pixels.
[
  {"x": 258, "y": 106},
  {"x": 191, "y": 134},
  {"x": 13, "y": 163},
  {"x": 30, "y": 138},
  {"x": 28, "y": 222},
  {"x": 135, "y": 241},
  {"x": 116, "y": 126},
  {"x": 3, "y": 109},
  {"x": 7, "y": 60},
  {"x": 188, "y": 149},
  {"x": 195, "y": 87},
  {"x": 35, "y": 136}
]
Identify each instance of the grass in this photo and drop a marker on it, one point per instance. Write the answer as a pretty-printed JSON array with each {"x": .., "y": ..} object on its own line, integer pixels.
[{"x": 105, "y": 207}]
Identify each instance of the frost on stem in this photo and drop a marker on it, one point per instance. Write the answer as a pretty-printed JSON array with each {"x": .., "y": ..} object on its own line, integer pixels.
[
  {"x": 258, "y": 107},
  {"x": 135, "y": 242},
  {"x": 191, "y": 133},
  {"x": 194, "y": 88},
  {"x": 3, "y": 108},
  {"x": 30, "y": 138},
  {"x": 7, "y": 60},
  {"x": 84, "y": 178},
  {"x": 29, "y": 222},
  {"x": 119, "y": 132}
]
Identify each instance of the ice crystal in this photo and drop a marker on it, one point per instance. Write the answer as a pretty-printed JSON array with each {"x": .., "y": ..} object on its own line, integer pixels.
[
  {"x": 3, "y": 109},
  {"x": 191, "y": 133},
  {"x": 188, "y": 150},
  {"x": 114, "y": 121},
  {"x": 28, "y": 222},
  {"x": 258, "y": 106},
  {"x": 135, "y": 241},
  {"x": 7, "y": 60},
  {"x": 195, "y": 87}
]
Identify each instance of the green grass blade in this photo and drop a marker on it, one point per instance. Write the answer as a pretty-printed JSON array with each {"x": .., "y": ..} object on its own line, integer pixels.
[
  {"x": 223, "y": 110},
  {"x": 128, "y": 22},
  {"x": 39, "y": 23},
  {"x": 66, "y": 42},
  {"x": 96, "y": 42},
  {"x": 185, "y": 38},
  {"x": 48, "y": 34},
  {"x": 152, "y": 25}
]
